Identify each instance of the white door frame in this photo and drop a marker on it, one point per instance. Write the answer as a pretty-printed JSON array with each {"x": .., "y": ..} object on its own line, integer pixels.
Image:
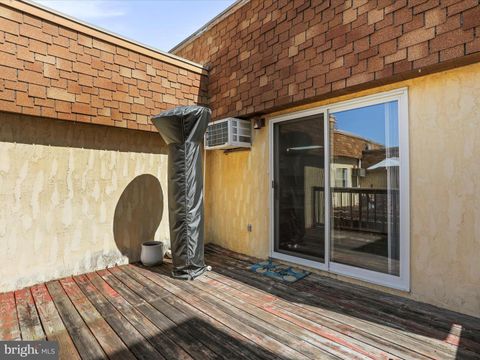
[
  {"x": 401, "y": 282},
  {"x": 274, "y": 254}
]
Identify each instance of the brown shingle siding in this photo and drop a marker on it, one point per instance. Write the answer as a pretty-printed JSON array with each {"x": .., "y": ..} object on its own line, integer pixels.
[
  {"x": 53, "y": 71},
  {"x": 471, "y": 18},
  {"x": 343, "y": 45}
]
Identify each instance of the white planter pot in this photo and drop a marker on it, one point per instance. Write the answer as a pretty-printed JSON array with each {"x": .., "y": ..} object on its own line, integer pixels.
[{"x": 152, "y": 253}]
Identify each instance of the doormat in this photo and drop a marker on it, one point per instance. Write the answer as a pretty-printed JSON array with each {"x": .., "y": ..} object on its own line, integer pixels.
[{"x": 279, "y": 271}]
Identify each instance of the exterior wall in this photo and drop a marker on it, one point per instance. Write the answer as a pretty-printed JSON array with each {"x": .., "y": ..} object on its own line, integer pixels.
[
  {"x": 79, "y": 197},
  {"x": 444, "y": 196},
  {"x": 76, "y": 197},
  {"x": 266, "y": 55},
  {"x": 236, "y": 194},
  {"x": 74, "y": 72}
]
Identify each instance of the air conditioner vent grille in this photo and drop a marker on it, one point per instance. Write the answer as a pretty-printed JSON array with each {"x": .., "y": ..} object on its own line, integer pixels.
[
  {"x": 228, "y": 134},
  {"x": 217, "y": 134}
]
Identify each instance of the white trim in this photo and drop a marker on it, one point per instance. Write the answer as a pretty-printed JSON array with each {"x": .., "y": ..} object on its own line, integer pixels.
[
  {"x": 401, "y": 282},
  {"x": 326, "y": 184},
  {"x": 370, "y": 276}
]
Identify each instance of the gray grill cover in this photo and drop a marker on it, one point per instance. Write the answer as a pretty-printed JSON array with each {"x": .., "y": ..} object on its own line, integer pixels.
[{"x": 182, "y": 129}]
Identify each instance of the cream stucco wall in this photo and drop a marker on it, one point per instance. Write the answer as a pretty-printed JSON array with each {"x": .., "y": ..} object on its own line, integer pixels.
[
  {"x": 235, "y": 187},
  {"x": 444, "y": 128},
  {"x": 76, "y": 197}
]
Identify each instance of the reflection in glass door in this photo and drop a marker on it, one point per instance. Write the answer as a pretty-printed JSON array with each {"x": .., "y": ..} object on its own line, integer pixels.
[
  {"x": 364, "y": 188},
  {"x": 299, "y": 205}
]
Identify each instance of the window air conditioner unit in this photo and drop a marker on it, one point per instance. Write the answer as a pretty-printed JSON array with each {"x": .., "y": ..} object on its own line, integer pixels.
[{"x": 228, "y": 133}]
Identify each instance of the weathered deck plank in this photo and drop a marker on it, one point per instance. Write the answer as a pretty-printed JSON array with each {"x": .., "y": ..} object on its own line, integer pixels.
[
  {"x": 212, "y": 325},
  {"x": 324, "y": 334},
  {"x": 348, "y": 325},
  {"x": 164, "y": 325},
  {"x": 273, "y": 326},
  {"x": 199, "y": 342},
  {"x": 110, "y": 342},
  {"x": 28, "y": 319},
  {"x": 9, "y": 327},
  {"x": 165, "y": 346},
  {"x": 84, "y": 340},
  {"x": 137, "y": 344},
  {"x": 371, "y": 316},
  {"x": 52, "y": 323},
  {"x": 260, "y": 338},
  {"x": 132, "y": 312},
  {"x": 423, "y": 311}
]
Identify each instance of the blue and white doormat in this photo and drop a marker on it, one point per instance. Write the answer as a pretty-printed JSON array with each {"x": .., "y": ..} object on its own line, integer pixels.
[{"x": 279, "y": 271}]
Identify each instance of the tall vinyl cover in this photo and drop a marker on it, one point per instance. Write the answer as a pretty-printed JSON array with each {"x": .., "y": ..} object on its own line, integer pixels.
[{"x": 182, "y": 129}]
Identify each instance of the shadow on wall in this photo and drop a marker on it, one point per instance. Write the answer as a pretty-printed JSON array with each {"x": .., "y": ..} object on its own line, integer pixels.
[
  {"x": 137, "y": 215},
  {"x": 24, "y": 129}
]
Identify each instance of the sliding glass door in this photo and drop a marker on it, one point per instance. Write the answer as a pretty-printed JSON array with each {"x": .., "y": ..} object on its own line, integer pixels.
[
  {"x": 299, "y": 164},
  {"x": 364, "y": 188},
  {"x": 340, "y": 188}
]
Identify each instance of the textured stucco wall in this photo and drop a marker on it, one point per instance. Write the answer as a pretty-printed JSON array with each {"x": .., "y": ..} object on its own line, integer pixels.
[
  {"x": 76, "y": 197},
  {"x": 236, "y": 189},
  {"x": 444, "y": 118},
  {"x": 444, "y": 189}
]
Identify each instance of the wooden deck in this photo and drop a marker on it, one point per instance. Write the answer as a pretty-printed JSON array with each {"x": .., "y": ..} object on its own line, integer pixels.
[{"x": 132, "y": 312}]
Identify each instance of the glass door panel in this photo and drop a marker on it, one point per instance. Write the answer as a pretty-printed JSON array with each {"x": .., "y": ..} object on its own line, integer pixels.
[
  {"x": 364, "y": 188},
  {"x": 299, "y": 194}
]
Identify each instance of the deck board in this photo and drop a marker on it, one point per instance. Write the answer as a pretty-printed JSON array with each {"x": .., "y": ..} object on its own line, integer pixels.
[
  {"x": 9, "y": 326},
  {"x": 202, "y": 342},
  {"x": 130, "y": 312},
  {"x": 110, "y": 342},
  {"x": 310, "y": 320},
  {"x": 274, "y": 346},
  {"x": 207, "y": 320},
  {"x": 172, "y": 341},
  {"x": 52, "y": 323},
  {"x": 28, "y": 319},
  {"x": 318, "y": 333},
  {"x": 271, "y": 328},
  {"x": 87, "y": 345},
  {"x": 327, "y": 318},
  {"x": 352, "y": 308},
  {"x": 137, "y": 344}
]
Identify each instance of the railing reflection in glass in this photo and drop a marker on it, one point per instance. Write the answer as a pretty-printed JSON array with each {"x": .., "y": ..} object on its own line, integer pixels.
[{"x": 364, "y": 188}]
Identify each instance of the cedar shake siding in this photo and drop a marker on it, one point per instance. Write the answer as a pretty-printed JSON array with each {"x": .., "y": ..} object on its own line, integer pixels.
[
  {"x": 267, "y": 55},
  {"x": 73, "y": 73}
]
